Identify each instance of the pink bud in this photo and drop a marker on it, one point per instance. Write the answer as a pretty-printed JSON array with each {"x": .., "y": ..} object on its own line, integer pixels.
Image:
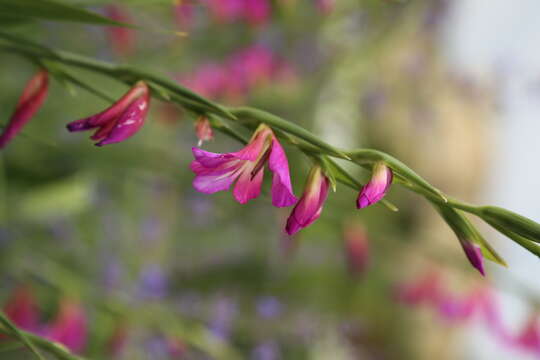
[
  {"x": 70, "y": 326},
  {"x": 376, "y": 188},
  {"x": 32, "y": 98},
  {"x": 203, "y": 129},
  {"x": 120, "y": 121},
  {"x": 21, "y": 308}
]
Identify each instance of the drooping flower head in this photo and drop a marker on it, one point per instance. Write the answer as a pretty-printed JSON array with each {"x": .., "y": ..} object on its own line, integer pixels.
[
  {"x": 32, "y": 98},
  {"x": 474, "y": 254},
  {"x": 120, "y": 121},
  {"x": 309, "y": 207},
  {"x": 376, "y": 188},
  {"x": 70, "y": 326},
  {"x": 203, "y": 129},
  {"x": 356, "y": 248},
  {"x": 217, "y": 172}
]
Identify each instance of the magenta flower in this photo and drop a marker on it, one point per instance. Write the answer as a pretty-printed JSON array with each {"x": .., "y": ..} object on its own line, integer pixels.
[
  {"x": 69, "y": 327},
  {"x": 257, "y": 12},
  {"x": 203, "y": 129},
  {"x": 226, "y": 11},
  {"x": 309, "y": 207},
  {"x": 376, "y": 188},
  {"x": 217, "y": 172},
  {"x": 32, "y": 98},
  {"x": 120, "y": 121},
  {"x": 474, "y": 254}
]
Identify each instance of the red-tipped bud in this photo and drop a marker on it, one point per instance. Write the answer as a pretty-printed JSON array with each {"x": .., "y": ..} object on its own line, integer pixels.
[{"x": 32, "y": 98}]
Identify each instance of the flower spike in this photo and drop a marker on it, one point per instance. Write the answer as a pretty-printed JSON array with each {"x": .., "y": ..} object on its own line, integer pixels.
[
  {"x": 217, "y": 172},
  {"x": 120, "y": 121},
  {"x": 309, "y": 207},
  {"x": 32, "y": 98},
  {"x": 376, "y": 188}
]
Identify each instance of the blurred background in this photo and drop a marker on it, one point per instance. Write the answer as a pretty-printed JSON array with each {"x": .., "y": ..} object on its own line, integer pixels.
[{"x": 115, "y": 251}]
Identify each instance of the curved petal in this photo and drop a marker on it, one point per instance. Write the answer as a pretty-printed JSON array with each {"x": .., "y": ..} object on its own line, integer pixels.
[
  {"x": 376, "y": 188},
  {"x": 246, "y": 187},
  {"x": 309, "y": 207},
  {"x": 255, "y": 147},
  {"x": 209, "y": 159},
  {"x": 129, "y": 122},
  {"x": 282, "y": 193}
]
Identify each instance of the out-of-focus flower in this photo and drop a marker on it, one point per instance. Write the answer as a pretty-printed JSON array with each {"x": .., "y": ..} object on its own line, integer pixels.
[
  {"x": 217, "y": 172},
  {"x": 70, "y": 326},
  {"x": 356, "y": 248},
  {"x": 120, "y": 121},
  {"x": 268, "y": 350},
  {"x": 269, "y": 307},
  {"x": 153, "y": 283},
  {"x": 117, "y": 342},
  {"x": 309, "y": 207},
  {"x": 122, "y": 39},
  {"x": 183, "y": 13},
  {"x": 257, "y": 12},
  {"x": 226, "y": 11},
  {"x": 325, "y": 6},
  {"x": 222, "y": 318},
  {"x": 22, "y": 309},
  {"x": 203, "y": 129},
  {"x": 529, "y": 336},
  {"x": 32, "y": 98},
  {"x": 376, "y": 188},
  {"x": 424, "y": 289}
]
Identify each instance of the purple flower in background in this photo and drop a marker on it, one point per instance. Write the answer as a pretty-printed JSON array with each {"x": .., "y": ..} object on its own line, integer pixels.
[
  {"x": 183, "y": 14},
  {"x": 376, "y": 188},
  {"x": 217, "y": 172},
  {"x": 153, "y": 283},
  {"x": 309, "y": 207},
  {"x": 222, "y": 318},
  {"x": 32, "y": 98},
  {"x": 120, "y": 121},
  {"x": 266, "y": 351},
  {"x": 269, "y": 307}
]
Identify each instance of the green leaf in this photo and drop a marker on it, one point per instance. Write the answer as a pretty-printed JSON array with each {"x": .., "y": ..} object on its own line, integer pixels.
[
  {"x": 523, "y": 242},
  {"x": 466, "y": 231},
  {"x": 54, "y": 11},
  {"x": 15, "y": 331},
  {"x": 516, "y": 223}
]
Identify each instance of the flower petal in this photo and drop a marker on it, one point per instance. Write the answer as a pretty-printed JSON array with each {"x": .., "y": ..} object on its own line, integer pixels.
[
  {"x": 282, "y": 193},
  {"x": 246, "y": 187},
  {"x": 376, "y": 188}
]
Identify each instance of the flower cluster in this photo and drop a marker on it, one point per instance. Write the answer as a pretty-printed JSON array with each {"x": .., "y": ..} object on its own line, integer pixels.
[
  {"x": 245, "y": 169},
  {"x": 480, "y": 303},
  {"x": 239, "y": 74},
  {"x": 256, "y": 13}
]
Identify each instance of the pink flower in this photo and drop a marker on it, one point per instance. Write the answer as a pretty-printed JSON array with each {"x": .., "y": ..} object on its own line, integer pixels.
[
  {"x": 183, "y": 13},
  {"x": 226, "y": 11},
  {"x": 257, "y": 12},
  {"x": 203, "y": 129},
  {"x": 309, "y": 207},
  {"x": 376, "y": 188},
  {"x": 32, "y": 98},
  {"x": 70, "y": 326},
  {"x": 122, "y": 39},
  {"x": 356, "y": 248},
  {"x": 22, "y": 309},
  {"x": 325, "y": 6},
  {"x": 425, "y": 289},
  {"x": 474, "y": 254},
  {"x": 529, "y": 337},
  {"x": 217, "y": 172},
  {"x": 120, "y": 121}
]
